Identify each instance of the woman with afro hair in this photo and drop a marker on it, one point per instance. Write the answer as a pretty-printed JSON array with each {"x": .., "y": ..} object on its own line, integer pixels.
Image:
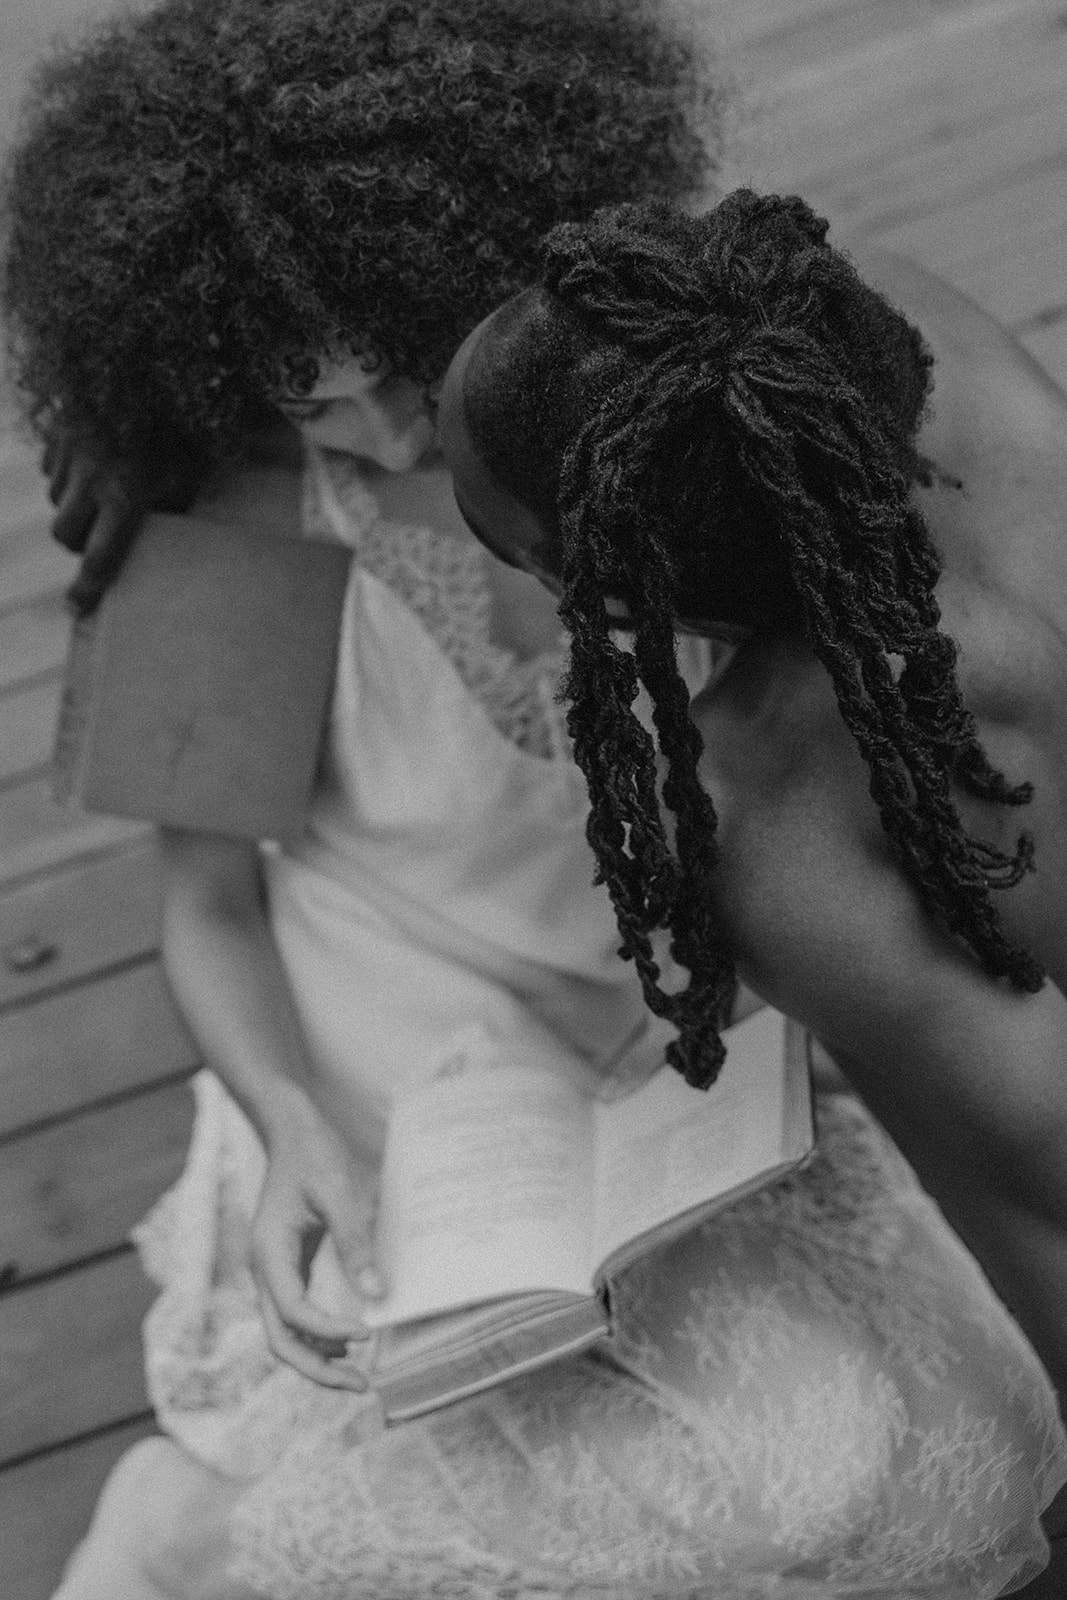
[
  {"x": 244, "y": 240},
  {"x": 205, "y": 200}
]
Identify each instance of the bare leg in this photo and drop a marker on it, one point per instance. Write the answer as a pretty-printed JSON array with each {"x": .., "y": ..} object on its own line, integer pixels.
[{"x": 159, "y": 1532}]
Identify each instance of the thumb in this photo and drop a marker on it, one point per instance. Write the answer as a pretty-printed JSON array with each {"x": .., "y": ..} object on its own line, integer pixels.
[{"x": 353, "y": 1241}]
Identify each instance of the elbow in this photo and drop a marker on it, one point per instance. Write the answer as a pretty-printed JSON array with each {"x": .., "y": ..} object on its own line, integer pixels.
[{"x": 210, "y": 881}]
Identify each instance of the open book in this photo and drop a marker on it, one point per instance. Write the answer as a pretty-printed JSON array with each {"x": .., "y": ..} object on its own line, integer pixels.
[{"x": 512, "y": 1193}]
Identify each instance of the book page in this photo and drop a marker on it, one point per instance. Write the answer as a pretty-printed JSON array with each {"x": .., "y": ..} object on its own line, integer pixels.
[
  {"x": 668, "y": 1148},
  {"x": 486, "y": 1190}
]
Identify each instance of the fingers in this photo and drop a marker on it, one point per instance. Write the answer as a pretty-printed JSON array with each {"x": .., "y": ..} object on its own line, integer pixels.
[
  {"x": 49, "y": 456},
  {"x": 317, "y": 1343},
  {"x": 276, "y": 1256},
  {"x": 356, "y": 1254},
  {"x": 330, "y": 1362},
  {"x": 73, "y": 492},
  {"x": 104, "y": 545},
  {"x": 56, "y": 462}
]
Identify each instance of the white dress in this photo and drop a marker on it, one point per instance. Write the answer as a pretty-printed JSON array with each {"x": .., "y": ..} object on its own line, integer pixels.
[{"x": 816, "y": 1396}]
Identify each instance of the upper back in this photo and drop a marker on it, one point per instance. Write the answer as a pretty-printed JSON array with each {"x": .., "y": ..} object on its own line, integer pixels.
[{"x": 800, "y": 835}]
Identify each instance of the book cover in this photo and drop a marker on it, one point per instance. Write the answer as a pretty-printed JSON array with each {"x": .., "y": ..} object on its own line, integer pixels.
[{"x": 197, "y": 694}]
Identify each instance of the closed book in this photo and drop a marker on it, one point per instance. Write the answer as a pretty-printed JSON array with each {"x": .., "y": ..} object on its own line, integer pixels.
[{"x": 197, "y": 694}]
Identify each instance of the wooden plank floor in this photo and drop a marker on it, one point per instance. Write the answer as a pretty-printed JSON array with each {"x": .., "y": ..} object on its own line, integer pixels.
[{"x": 934, "y": 126}]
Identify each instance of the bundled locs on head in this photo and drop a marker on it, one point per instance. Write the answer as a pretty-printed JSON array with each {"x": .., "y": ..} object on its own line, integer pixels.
[{"x": 732, "y": 439}]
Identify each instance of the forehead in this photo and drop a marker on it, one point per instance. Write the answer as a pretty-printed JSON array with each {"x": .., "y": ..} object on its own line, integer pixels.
[
  {"x": 345, "y": 378},
  {"x": 456, "y": 443},
  {"x": 491, "y": 509}
]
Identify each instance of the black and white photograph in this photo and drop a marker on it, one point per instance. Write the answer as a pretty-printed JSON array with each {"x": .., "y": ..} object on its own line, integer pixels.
[{"x": 533, "y": 800}]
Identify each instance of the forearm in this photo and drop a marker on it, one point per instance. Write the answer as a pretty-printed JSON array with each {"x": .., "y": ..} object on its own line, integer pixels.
[
  {"x": 228, "y": 980},
  {"x": 1025, "y": 1259},
  {"x": 1010, "y": 1209},
  {"x": 976, "y": 1107},
  {"x": 232, "y": 989}
]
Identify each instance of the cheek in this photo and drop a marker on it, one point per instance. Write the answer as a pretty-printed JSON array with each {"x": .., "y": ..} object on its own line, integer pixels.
[{"x": 365, "y": 431}]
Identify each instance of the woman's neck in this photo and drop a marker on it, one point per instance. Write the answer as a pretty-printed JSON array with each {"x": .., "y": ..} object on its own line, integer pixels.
[{"x": 522, "y": 613}]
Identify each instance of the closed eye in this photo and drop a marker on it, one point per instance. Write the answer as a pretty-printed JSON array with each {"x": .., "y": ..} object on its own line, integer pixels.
[{"x": 304, "y": 410}]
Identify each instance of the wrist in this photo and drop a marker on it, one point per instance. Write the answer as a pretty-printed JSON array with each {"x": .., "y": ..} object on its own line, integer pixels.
[{"x": 286, "y": 1117}]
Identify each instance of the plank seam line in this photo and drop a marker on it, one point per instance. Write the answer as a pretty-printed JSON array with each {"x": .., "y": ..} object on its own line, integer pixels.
[
  {"x": 980, "y": 23},
  {"x": 101, "y": 1431},
  {"x": 1047, "y": 318},
  {"x": 33, "y": 774},
  {"x": 35, "y": 1280},
  {"x": 83, "y": 859},
  {"x": 32, "y": 680},
  {"x": 917, "y": 211},
  {"x": 63, "y": 986},
  {"x": 87, "y": 860},
  {"x": 10, "y": 608},
  {"x": 106, "y": 1102}
]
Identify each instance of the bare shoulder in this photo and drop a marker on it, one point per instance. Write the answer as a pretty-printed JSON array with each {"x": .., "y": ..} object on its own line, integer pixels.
[
  {"x": 821, "y": 918},
  {"x": 801, "y": 852},
  {"x": 997, "y": 420},
  {"x": 998, "y": 429},
  {"x": 967, "y": 341}
]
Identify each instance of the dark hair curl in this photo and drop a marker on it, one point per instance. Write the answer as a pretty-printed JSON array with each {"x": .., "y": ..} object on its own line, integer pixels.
[
  {"x": 204, "y": 198},
  {"x": 715, "y": 420}
]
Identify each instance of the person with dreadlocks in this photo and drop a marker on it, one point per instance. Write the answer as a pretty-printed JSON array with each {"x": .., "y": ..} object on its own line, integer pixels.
[
  {"x": 227, "y": 211},
  {"x": 714, "y": 424}
]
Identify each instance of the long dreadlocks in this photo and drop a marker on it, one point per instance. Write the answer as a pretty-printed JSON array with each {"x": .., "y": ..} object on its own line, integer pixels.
[{"x": 715, "y": 420}]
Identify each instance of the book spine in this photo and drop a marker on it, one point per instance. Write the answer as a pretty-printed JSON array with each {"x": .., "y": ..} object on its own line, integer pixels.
[
  {"x": 411, "y": 1396},
  {"x": 70, "y": 746}
]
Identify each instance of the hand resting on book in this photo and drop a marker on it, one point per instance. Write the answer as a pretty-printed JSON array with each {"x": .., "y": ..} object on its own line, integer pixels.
[
  {"x": 309, "y": 1184},
  {"x": 311, "y": 1191}
]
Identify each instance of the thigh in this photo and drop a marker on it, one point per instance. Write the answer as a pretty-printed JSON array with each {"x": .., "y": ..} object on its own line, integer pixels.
[{"x": 160, "y": 1532}]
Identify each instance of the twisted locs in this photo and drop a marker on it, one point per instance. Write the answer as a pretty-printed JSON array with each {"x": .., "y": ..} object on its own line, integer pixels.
[
  {"x": 734, "y": 333},
  {"x": 651, "y": 886},
  {"x": 867, "y": 599}
]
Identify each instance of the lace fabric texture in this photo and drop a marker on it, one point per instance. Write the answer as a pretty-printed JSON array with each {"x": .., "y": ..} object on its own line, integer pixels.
[
  {"x": 815, "y": 1396},
  {"x": 443, "y": 582}
]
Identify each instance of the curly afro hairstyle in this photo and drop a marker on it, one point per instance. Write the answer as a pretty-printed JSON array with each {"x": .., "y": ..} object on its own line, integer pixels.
[
  {"x": 205, "y": 198},
  {"x": 715, "y": 420}
]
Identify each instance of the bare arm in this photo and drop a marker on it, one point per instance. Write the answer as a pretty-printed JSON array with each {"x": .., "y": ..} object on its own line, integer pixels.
[
  {"x": 231, "y": 987},
  {"x": 968, "y": 1076}
]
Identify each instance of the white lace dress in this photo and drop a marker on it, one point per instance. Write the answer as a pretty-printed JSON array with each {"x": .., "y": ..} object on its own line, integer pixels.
[{"x": 816, "y": 1396}]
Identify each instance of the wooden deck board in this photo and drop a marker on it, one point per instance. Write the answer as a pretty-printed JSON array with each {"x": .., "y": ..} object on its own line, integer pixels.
[
  {"x": 75, "y": 1188},
  {"x": 935, "y": 126},
  {"x": 33, "y": 637},
  {"x": 91, "y": 917},
  {"x": 953, "y": 117},
  {"x": 29, "y": 714},
  {"x": 70, "y": 1353},
  {"x": 45, "y": 1507},
  {"x": 39, "y": 835},
  {"x": 101, "y": 1039}
]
